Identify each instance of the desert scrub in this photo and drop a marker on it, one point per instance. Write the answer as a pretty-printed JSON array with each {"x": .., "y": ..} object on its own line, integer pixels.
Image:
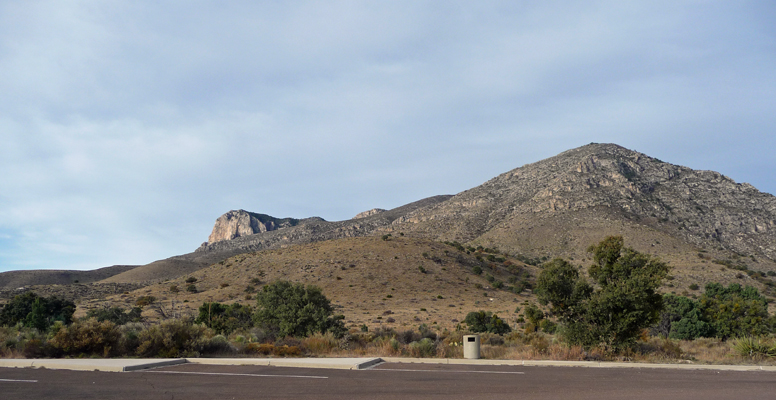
[
  {"x": 423, "y": 348},
  {"x": 88, "y": 337},
  {"x": 173, "y": 338},
  {"x": 754, "y": 347}
]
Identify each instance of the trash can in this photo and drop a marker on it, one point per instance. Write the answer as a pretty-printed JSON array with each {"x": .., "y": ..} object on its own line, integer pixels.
[{"x": 471, "y": 346}]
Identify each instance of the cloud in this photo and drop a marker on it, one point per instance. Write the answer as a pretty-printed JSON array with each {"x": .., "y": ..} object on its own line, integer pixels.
[{"x": 128, "y": 128}]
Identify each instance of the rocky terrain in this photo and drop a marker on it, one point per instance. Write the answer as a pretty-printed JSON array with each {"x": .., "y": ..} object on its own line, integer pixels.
[{"x": 708, "y": 227}]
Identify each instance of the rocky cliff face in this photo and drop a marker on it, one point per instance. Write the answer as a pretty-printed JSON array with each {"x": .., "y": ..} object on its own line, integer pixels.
[
  {"x": 369, "y": 213},
  {"x": 240, "y": 223}
]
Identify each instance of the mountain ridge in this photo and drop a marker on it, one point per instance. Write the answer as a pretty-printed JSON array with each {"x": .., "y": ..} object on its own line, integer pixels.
[{"x": 553, "y": 207}]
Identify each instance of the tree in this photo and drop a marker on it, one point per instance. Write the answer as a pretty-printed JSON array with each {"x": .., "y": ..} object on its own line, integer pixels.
[
  {"x": 735, "y": 310},
  {"x": 485, "y": 321},
  {"x": 682, "y": 318},
  {"x": 291, "y": 309},
  {"x": 223, "y": 318},
  {"x": 35, "y": 311},
  {"x": 624, "y": 302}
]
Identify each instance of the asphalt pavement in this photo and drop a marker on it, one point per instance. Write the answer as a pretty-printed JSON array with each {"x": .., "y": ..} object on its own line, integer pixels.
[{"x": 387, "y": 380}]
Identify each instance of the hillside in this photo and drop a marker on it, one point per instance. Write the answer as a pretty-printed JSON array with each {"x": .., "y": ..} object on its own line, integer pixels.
[
  {"x": 17, "y": 279},
  {"x": 708, "y": 227},
  {"x": 368, "y": 279}
]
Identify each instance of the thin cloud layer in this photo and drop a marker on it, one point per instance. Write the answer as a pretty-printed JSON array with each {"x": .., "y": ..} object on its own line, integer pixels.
[{"x": 128, "y": 128}]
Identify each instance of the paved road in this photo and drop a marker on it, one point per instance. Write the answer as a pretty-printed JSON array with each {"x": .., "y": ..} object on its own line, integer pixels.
[{"x": 386, "y": 381}]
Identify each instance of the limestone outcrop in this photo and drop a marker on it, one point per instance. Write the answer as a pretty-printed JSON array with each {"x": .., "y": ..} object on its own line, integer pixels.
[{"x": 239, "y": 223}]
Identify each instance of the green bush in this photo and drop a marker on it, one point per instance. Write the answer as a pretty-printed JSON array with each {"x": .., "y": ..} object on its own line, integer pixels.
[
  {"x": 485, "y": 321},
  {"x": 423, "y": 348},
  {"x": 291, "y": 309},
  {"x": 735, "y": 311},
  {"x": 35, "y": 311},
  {"x": 117, "y": 315},
  {"x": 754, "y": 347},
  {"x": 173, "y": 338},
  {"x": 225, "y": 319},
  {"x": 477, "y": 270}
]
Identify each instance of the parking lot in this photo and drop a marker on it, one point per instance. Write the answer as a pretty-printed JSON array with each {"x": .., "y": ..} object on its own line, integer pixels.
[{"x": 386, "y": 381}]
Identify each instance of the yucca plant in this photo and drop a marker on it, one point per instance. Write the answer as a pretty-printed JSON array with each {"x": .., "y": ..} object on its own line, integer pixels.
[{"x": 754, "y": 347}]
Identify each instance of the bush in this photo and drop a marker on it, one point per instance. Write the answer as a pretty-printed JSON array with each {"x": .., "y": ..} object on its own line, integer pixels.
[
  {"x": 477, "y": 270},
  {"x": 225, "y": 319},
  {"x": 734, "y": 310},
  {"x": 35, "y": 311},
  {"x": 423, "y": 348},
  {"x": 754, "y": 347},
  {"x": 143, "y": 301},
  {"x": 290, "y": 309},
  {"x": 117, "y": 315},
  {"x": 191, "y": 279},
  {"x": 485, "y": 321},
  {"x": 89, "y": 337},
  {"x": 173, "y": 338},
  {"x": 191, "y": 288}
]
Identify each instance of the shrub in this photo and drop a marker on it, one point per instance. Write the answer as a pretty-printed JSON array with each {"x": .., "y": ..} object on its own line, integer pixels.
[
  {"x": 117, "y": 315},
  {"x": 477, "y": 270},
  {"x": 225, "y": 319},
  {"x": 143, "y": 301},
  {"x": 173, "y": 338},
  {"x": 290, "y": 309},
  {"x": 192, "y": 288},
  {"x": 694, "y": 286},
  {"x": 423, "y": 348},
  {"x": 89, "y": 337},
  {"x": 734, "y": 310},
  {"x": 174, "y": 289},
  {"x": 35, "y": 311},
  {"x": 485, "y": 321},
  {"x": 754, "y": 347},
  {"x": 191, "y": 279}
]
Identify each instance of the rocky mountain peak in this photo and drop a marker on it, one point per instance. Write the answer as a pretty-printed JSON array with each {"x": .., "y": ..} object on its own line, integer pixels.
[
  {"x": 369, "y": 213},
  {"x": 238, "y": 223},
  {"x": 607, "y": 182}
]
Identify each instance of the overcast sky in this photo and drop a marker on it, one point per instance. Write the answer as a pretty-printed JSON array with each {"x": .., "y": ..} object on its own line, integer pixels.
[{"x": 128, "y": 127}]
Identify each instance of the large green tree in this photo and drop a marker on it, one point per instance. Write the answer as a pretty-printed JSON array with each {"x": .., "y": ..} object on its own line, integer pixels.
[
  {"x": 293, "y": 309},
  {"x": 622, "y": 303}
]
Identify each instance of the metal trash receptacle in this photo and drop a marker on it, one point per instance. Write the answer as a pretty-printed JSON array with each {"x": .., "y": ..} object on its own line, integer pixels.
[{"x": 471, "y": 347}]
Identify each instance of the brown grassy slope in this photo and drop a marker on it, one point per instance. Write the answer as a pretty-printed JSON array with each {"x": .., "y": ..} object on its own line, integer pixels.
[
  {"x": 16, "y": 279},
  {"x": 359, "y": 275},
  {"x": 366, "y": 278}
]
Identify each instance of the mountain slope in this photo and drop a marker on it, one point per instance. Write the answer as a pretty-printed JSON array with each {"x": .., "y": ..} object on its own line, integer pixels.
[{"x": 602, "y": 189}]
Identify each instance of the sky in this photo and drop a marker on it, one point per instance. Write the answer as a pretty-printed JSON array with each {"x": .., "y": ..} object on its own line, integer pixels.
[{"x": 128, "y": 127}]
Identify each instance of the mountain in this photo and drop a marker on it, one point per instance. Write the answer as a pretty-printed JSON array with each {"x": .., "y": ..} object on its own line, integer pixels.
[
  {"x": 707, "y": 226},
  {"x": 561, "y": 205}
]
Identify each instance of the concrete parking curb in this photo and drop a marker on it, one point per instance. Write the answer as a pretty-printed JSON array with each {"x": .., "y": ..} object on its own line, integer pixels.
[
  {"x": 328, "y": 363},
  {"x": 90, "y": 364}
]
